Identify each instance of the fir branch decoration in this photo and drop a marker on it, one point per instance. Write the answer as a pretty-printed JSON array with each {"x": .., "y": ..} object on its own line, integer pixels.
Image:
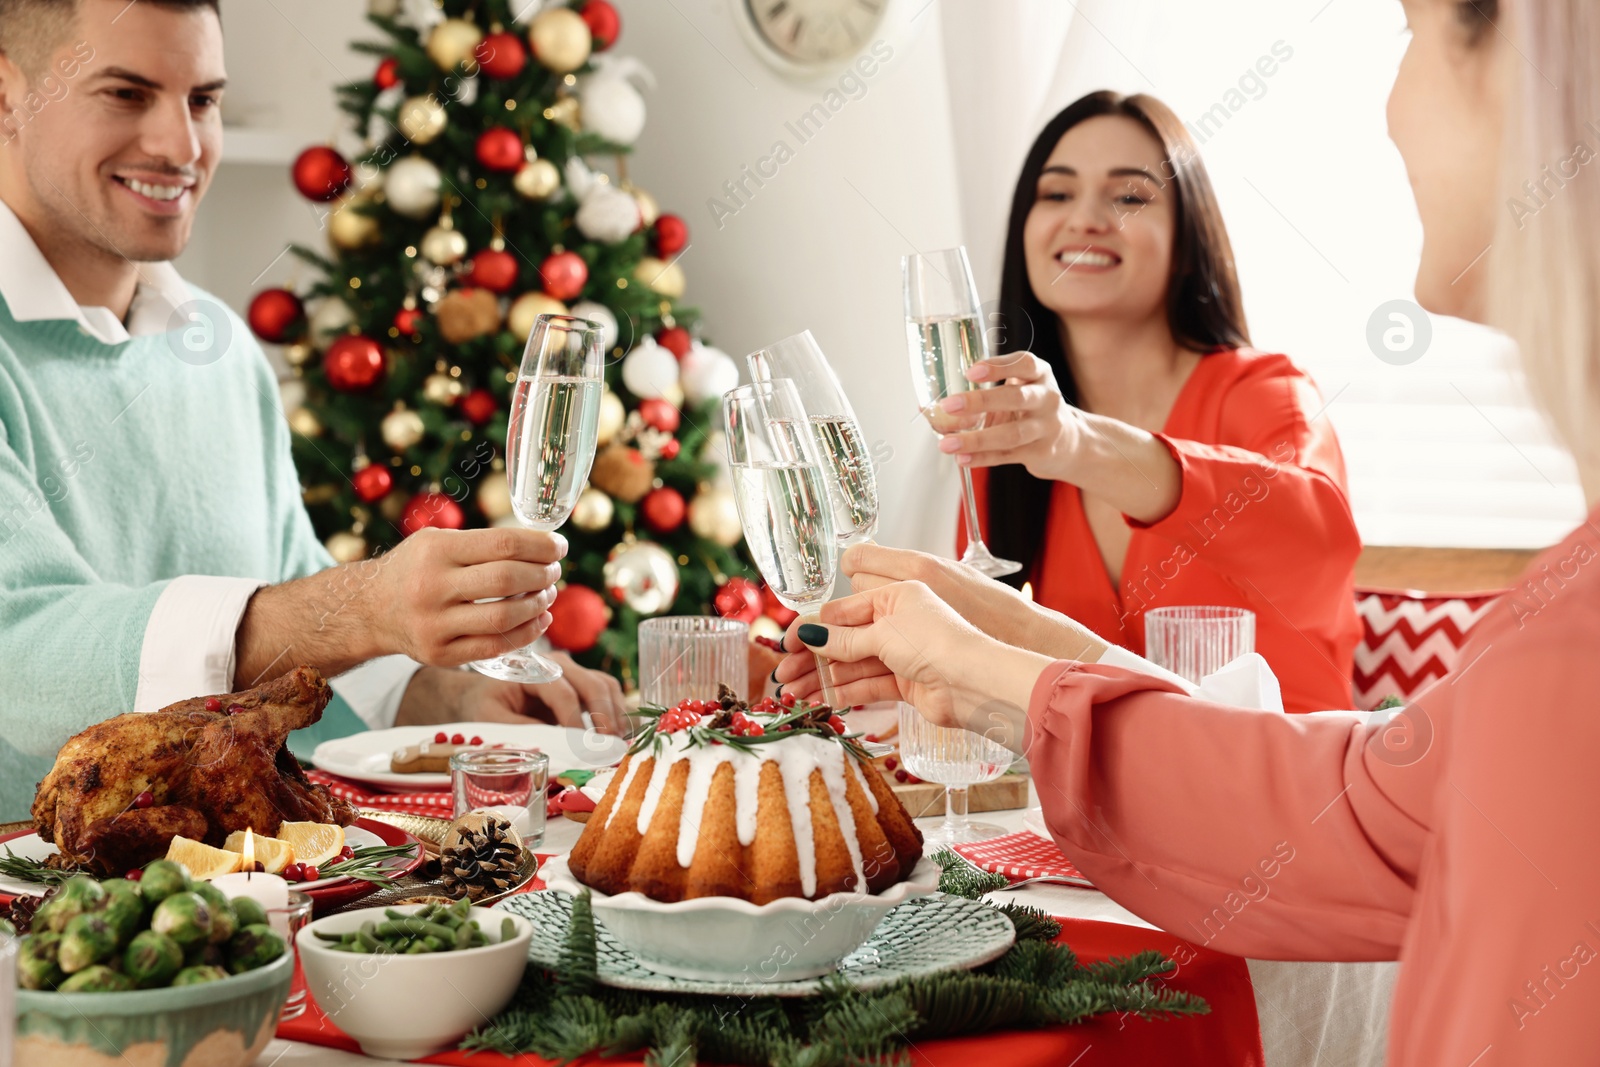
[
  {"x": 580, "y": 967},
  {"x": 1031, "y": 923},
  {"x": 961, "y": 879}
]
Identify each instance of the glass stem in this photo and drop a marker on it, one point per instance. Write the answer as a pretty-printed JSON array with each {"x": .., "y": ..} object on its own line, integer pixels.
[
  {"x": 825, "y": 680},
  {"x": 955, "y": 811},
  {"x": 969, "y": 503}
]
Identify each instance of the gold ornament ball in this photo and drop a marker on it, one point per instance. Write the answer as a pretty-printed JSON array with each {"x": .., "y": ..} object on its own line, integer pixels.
[
  {"x": 304, "y": 423},
  {"x": 402, "y": 428},
  {"x": 560, "y": 39},
  {"x": 649, "y": 210},
  {"x": 442, "y": 389},
  {"x": 421, "y": 119},
  {"x": 663, "y": 278},
  {"x": 593, "y": 511},
  {"x": 612, "y": 417},
  {"x": 673, "y": 394},
  {"x": 494, "y": 498},
  {"x": 537, "y": 179},
  {"x": 528, "y": 307},
  {"x": 298, "y": 354},
  {"x": 567, "y": 112},
  {"x": 349, "y": 229},
  {"x": 443, "y": 245},
  {"x": 642, "y": 575},
  {"x": 453, "y": 41},
  {"x": 714, "y": 515},
  {"x": 393, "y": 506},
  {"x": 346, "y": 547}
]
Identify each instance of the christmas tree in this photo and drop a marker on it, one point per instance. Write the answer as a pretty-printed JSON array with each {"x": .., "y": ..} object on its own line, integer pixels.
[{"x": 479, "y": 200}]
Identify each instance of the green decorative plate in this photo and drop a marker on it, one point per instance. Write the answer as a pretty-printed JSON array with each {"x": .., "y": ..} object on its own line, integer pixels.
[{"x": 922, "y": 936}]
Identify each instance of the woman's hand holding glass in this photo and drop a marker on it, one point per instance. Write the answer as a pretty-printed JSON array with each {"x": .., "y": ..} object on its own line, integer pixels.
[{"x": 1024, "y": 419}]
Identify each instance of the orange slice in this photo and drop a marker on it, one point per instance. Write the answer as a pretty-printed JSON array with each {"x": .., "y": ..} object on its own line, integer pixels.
[
  {"x": 315, "y": 843},
  {"x": 273, "y": 853},
  {"x": 203, "y": 861}
]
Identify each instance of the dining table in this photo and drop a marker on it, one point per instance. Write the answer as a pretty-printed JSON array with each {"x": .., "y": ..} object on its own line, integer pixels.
[{"x": 1309, "y": 1014}]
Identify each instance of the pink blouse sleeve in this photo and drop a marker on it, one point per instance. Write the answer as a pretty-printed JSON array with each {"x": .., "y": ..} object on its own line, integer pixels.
[{"x": 1257, "y": 833}]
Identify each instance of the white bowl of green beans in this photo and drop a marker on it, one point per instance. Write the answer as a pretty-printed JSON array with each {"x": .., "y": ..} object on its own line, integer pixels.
[{"x": 410, "y": 980}]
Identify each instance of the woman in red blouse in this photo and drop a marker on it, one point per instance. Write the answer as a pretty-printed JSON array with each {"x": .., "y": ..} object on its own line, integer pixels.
[{"x": 1142, "y": 454}]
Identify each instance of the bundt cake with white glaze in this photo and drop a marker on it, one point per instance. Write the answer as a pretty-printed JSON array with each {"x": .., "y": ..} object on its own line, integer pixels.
[{"x": 716, "y": 798}]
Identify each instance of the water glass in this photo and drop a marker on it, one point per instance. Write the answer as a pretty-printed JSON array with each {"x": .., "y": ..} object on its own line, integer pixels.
[
  {"x": 1197, "y": 640},
  {"x": 955, "y": 759},
  {"x": 8, "y": 996},
  {"x": 286, "y": 923},
  {"x": 685, "y": 657},
  {"x": 508, "y": 782}
]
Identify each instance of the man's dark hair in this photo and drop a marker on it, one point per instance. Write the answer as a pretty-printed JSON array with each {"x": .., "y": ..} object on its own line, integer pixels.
[{"x": 31, "y": 29}]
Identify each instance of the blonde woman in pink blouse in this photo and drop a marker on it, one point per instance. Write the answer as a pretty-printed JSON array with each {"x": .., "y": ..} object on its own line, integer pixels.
[{"x": 1462, "y": 836}]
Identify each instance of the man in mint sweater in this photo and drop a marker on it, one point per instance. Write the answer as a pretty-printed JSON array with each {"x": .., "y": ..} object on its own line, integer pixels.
[{"x": 153, "y": 545}]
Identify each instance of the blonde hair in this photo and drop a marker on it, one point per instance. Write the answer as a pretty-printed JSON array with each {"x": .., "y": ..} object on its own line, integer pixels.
[{"x": 1544, "y": 264}]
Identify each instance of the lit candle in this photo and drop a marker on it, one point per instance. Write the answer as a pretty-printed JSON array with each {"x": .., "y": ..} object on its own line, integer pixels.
[{"x": 268, "y": 890}]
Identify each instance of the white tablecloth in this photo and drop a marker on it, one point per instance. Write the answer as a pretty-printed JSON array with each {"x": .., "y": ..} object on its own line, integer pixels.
[{"x": 1312, "y": 1014}]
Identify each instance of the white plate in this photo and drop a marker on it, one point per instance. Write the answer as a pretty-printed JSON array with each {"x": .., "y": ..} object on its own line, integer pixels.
[
  {"x": 365, "y": 757},
  {"x": 31, "y": 846}
]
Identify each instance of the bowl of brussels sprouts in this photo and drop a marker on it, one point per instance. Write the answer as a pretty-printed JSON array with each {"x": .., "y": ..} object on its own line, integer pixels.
[{"x": 165, "y": 968}]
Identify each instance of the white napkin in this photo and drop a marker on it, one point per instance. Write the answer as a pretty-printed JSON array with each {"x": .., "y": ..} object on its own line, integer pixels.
[{"x": 1246, "y": 682}]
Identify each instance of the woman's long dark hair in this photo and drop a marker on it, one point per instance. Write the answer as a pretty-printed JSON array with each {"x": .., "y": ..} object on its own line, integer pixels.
[{"x": 1204, "y": 309}]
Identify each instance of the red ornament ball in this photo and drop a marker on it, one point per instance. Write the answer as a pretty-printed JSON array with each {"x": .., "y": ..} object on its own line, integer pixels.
[
  {"x": 500, "y": 149},
  {"x": 564, "y": 275},
  {"x": 604, "y": 23},
  {"x": 478, "y": 406},
  {"x": 659, "y": 414},
  {"x": 675, "y": 339},
  {"x": 501, "y": 55},
  {"x": 353, "y": 362},
  {"x": 431, "y": 509},
  {"x": 663, "y": 509},
  {"x": 407, "y": 321},
  {"x": 372, "y": 482},
  {"x": 320, "y": 174},
  {"x": 493, "y": 269},
  {"x": 577, "y": 618},
  {"x": 387, "y": 76},
  {"x": 739, "y": 598},
  {"x": 275, "y": 315},
  {"x": 671, "y": 235},
  {"x": 773, "y": 608},
  {"x": 670, "y": 449}
]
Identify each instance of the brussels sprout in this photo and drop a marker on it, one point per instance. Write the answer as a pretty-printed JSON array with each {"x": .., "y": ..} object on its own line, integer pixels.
[
  {"x": 77, "y": 895},
  {"x": 7, "y": 928},
  {"x": 152, "y": 959},
  {"x": 96, "y": 979},
  {"x": 122, "y": 887},
  {"x": 161, "y": 879},
  {"x": 38, "y": 961},
  {"x": 124, "y": 913},
  {"x": 223, "y": 923},
  {"x": 184, "y": 917},
  {"x": 197, "y": 975},
  {"x": 248, "y": 911},
  {"x": 252, "y": 947},
  {"x": 87, "y": 940},
  {"x": 206, "y": 954}
]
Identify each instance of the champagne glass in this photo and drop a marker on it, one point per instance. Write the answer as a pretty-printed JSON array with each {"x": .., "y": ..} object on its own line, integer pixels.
[
  {"x": 957, "y": 760},
  {"x": 945, "y": 337},
  {"x": 852, "y": 483},
  {"x": 555, "y": 417},
  {"x": 782, "y": 495}
]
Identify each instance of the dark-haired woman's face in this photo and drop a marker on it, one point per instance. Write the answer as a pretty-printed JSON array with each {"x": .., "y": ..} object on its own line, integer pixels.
[
  {"x": 1446, "y": 116},
  {"x": 1098, "y": 239}
]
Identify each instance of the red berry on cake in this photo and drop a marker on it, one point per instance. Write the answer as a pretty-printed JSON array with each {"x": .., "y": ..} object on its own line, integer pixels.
[
  {"x": 457, "y": 739},
  {"x": 476, "y": 740},
  {"x": 441, "y": 738}
]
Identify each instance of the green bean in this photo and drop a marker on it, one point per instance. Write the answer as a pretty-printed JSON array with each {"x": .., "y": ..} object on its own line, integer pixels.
[
  {"x": 319, "y": 935},
  {"x": 436, "y": 944},
  {"x": 416, "y": 948},
  {"x": 463, "y": 936},
  {"x": 508, "y": 929}
]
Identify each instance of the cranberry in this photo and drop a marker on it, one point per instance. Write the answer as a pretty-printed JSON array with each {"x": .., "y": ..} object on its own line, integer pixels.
[
  {"x": 914, "y": 779},
  {"x": 871, "y": 738},
  {"x": 213, "y": 704},
  {"x": 788, "y": 700},
  {"x": 457, "y": 739},
  {"x": 291, "y": 873},
  {"x": 901, "y": 776},
  {"x": 784, "y": 728},
  {"x": 347, "y": 853},
  {"x": 890, "y": 763},
  {"x": 476, "y": 740},
  {"x": 755, "y": 729},
  {"x": 838, "y": 725},
  {"x": 260, "y": 867},
  {"x": 440, "y": 738},
  {"x": 310, "y": 874},
  {"x": 144, "y": 800},
  {"x": 135, "y": 874},
  {"x": 235, "y": 709}
]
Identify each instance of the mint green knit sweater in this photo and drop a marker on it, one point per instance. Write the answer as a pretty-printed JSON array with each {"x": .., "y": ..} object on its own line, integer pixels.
[{"x": 121, "y": 467}]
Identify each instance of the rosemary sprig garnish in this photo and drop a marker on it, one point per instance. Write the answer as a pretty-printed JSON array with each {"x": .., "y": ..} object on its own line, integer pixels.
[
  {"x": 369, "y": 864},
  {"x": 31, "y": 870},
  {"x": 801, "y": 719}
]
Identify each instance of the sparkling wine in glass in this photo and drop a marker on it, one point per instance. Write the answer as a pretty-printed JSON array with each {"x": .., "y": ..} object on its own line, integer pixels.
[
  {"x": 945, "y": 336},
  {"x": 550, "y": 444},
  {"x": 957, "y": 760},
  {"x": 841, "y": 447},
  {"x": 782, "y": 494}
]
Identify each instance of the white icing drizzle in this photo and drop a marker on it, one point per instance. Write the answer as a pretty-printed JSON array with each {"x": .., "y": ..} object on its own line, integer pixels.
[{"x": 797, "y": 757}]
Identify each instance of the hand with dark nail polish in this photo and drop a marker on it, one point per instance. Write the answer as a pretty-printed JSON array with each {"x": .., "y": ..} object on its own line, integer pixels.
[{"x": 812, "y": 634}]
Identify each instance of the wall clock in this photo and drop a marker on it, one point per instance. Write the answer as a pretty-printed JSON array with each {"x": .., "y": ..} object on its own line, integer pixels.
[{"x": 804, "y": 38}]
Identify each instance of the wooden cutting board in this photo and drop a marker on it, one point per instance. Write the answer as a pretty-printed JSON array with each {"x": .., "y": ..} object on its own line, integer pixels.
[{"x": 927, "y": 798}]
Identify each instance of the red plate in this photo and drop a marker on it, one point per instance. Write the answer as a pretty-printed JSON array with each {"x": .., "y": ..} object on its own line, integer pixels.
[{"x": 329, "y": 897}]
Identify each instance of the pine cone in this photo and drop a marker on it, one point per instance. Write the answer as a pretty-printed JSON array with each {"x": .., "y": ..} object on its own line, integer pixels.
[{"x": 480, "y": 856}]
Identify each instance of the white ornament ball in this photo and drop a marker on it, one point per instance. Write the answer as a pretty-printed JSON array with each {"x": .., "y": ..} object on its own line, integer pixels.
[
  {"x": 346, "y": 547},
  {"x": 412, "y": 187},
  {"x": 660, "y": 277},
  {"x": 528, "y": 307},
  {"x": 612, "y": 417},
  {"x": 714, "y": 515},
  {"x": 612, "y": 107},
  {"x": 766, "y": 626},
  {"x": 595, "y": 311},
  {"x": 330, "y": 319},
  {"x": 401, "y": 429},
  {"x": 707, "y": 373},
  {"x": 649, "y": 370},
  {"x": 642, "y": 575},
  {"x": 608, "y": 214},
  {"x": 421, "y": 119},
  {"x": 579, "y": 178},
  {"x": 452, "y": 43}
]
